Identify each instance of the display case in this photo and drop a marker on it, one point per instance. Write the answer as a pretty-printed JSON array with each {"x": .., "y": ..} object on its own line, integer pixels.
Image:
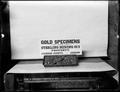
[{"x": 22, "y": 64}]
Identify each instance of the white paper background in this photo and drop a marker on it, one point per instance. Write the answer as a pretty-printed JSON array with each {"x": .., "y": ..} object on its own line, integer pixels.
[{"x": 33, "y": 21}]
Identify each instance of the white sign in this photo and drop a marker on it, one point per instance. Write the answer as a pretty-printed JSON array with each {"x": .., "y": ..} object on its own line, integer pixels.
[{"x": 60, "y": 47}]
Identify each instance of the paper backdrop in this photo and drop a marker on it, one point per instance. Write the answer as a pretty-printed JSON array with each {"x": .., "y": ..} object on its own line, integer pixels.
[{"x": 33, "y": 21}]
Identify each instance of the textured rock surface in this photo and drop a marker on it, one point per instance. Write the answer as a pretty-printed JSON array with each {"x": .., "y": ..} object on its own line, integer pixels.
[{"x": 62, "y": 60}]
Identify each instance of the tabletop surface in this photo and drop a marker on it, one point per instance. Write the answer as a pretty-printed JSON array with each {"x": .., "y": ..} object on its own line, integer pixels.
[{"x": 85, "y": 65}]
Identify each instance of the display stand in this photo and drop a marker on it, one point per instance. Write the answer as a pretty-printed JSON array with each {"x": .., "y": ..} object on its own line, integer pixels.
[{"x": 86, "y": 76}]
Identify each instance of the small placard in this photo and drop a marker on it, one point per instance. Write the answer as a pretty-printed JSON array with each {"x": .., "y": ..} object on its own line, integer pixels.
[{"x": 60, "y": 47}]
